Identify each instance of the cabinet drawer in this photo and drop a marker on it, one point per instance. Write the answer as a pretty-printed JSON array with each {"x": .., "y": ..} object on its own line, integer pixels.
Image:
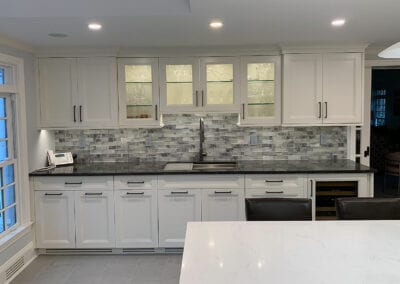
[
  {"x": 135, "y": 182},
  {"x": 274, "y": 181},
  {"x": 200, "y": 181},
  {"x": 275, "y": 192},
  {"x": 74, "y": 183}
]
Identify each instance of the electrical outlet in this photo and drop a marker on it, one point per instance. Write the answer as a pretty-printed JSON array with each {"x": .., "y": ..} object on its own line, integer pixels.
[
  {"x": 253, "y": 139},
  {"x": 82, "y": 141}
]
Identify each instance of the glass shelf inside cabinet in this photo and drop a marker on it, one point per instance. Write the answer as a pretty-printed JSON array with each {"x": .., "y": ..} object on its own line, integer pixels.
[
  {"x": 179, "y": 83},
  {"x": 139, "y": 91},
  {"x": 219, "y": 84}
]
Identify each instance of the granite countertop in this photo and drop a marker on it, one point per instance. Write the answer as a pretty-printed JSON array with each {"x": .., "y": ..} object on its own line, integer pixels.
[
  {"x": 291, "y": 252},
  {"x": 243, "y": 167}
]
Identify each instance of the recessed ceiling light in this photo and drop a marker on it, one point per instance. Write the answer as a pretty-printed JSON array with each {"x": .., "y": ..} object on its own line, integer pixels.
[
  {"x": 338, "y": 22},
  {"x": 59, "y": 35},
  {"x": 94, "y": 26},
  {"x": 216, "y": 24},
  {"x": 392, "y": 51}
]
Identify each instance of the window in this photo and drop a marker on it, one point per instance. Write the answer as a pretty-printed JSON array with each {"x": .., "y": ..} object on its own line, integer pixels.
[
  {"x": 2, "y": 81},
  {"x": 8, "y": 200}
]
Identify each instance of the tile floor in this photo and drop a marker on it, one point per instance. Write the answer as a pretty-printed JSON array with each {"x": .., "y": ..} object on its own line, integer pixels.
[{"x": 99, "y": 269}]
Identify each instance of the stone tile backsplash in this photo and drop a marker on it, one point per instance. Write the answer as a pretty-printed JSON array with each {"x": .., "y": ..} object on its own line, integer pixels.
[{"x": 178, "y": 140}]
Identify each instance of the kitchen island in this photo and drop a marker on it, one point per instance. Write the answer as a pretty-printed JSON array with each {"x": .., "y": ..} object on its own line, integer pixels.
[{"x": 292, "y": 252}]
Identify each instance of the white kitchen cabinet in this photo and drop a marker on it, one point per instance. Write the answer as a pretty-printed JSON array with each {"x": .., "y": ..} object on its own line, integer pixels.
[
  {"x": 222, "y": 205},
  {"x": 78, "y": 93},
  {"x": 260, "y": 90},
  {"x": 199, "y": 84},
  {"x": 55, "y": 224},
  {"x": 175, "y": 209},
  {"x": 138, "y": 92},
  {"x": 94, "y": 219},
  {"x": 322, "y": 89}
]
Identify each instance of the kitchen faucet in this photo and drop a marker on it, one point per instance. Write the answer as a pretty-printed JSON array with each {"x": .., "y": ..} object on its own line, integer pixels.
[{"x": 202, "y": 154}]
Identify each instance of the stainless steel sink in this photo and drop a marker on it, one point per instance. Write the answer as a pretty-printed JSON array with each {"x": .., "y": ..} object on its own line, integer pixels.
[{"x": 215, "y": 166}]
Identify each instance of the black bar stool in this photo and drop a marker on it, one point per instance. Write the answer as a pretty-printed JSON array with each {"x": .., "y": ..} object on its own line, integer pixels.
[{"x": 353, "y": 208}]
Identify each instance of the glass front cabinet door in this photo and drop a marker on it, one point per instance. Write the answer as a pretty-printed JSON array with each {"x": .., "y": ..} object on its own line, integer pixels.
[
  {"x": 138, "y": 92},
  {"x": 260, "y": 90},
  {"x": 196, "y": 85}
]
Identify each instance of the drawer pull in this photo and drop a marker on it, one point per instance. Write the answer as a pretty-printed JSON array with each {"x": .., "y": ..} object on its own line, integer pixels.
[
  {"x": 93, "y": 193},
  {"x": 179, "y": 192},
  {"x": 274, "y": 191},
  {"x": 53, "y": 194},
  {"x": 277, "y": 181},
  {"x": 135, "y": 193},
  {"x": 135, "y": 182},
  {"x": 73, "y": 183},
  {"x": 223, "y": 192}
]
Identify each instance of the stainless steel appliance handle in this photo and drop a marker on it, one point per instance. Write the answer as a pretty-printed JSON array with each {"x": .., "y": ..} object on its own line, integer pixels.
[{"x": 312, "y": 189}]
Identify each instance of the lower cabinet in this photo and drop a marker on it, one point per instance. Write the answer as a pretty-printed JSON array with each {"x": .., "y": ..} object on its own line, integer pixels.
[
  {"x": 55, "y": 223},
  {"x": 94, "y": 219},
  {"x": 176, "y": 208},
  {"x": 222, "y": 205},
  {"x": 136, "y": 218}
]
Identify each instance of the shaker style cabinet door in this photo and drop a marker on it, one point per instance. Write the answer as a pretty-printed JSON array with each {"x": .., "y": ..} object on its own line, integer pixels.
[
  {"x": 302, "y": 89},
  {"x": 58, "y": 94},
  {"x": 94, "y": 219},
  {"x": 342, "y": 88},
  {"x": 55, "y": 224},
  {"x": 97, "y": 92},
  {"x": 138, "y": 92},
  {"x": 136, "y": 218},
  {"x": 223, "y": 205},
  {"x": 175, "y": 209}
]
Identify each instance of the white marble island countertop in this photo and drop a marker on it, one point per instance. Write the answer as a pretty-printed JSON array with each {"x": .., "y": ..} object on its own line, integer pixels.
[{"x": 292, "y": 252}]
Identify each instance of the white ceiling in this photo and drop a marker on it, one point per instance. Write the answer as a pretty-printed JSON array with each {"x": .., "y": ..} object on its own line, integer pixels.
[{"x": 138, "y": 23}]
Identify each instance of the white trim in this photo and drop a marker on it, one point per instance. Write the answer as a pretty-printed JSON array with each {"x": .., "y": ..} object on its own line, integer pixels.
[
  {"x": 353, "y": 48},
  {"x": 13, "y": 43},
  {"x": 382, "y": 63},
  {"x": 14, "y": 235}
]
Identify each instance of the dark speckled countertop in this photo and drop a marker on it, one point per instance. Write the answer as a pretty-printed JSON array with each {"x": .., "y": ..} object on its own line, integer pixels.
[{"x": 243, "y": 167}]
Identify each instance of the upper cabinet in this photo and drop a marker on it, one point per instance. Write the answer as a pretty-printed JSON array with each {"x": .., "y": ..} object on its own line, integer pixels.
[
  {"x": 193, "y": 84},
  {"x": 260, "y": 90},
  {"x": 322, "y": 89},
  {"x": 78, "y": 92},
  {"x": 138, "y": 92}
]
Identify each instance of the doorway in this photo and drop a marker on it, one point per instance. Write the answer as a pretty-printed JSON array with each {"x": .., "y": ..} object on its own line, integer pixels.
[{"x": 385, "y": 130}]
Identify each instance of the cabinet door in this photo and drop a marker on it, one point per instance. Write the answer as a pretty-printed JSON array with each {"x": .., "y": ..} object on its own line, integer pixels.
[
  {"x": 222, "y": 205},
  {"x": 175, "y": 209},
  {"x": 342, "y": 88},
  {"x": 94, "y": 219},
  {"x": 219, "y": 77},
  {"x": 261, "y": 90},
  {"x": 138, "y": 92},
  {"x": 57, "y": 91},
  {"x": 136, "y": 218},
  {"x": 97, "y": 92},
  {"x": 179, "y": 85},
  {"x": 55, "y": 224},
  {"x": 302, "y": 89}
]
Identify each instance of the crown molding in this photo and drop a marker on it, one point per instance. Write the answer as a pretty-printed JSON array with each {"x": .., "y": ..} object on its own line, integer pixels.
[
  {"x": 13, "y": 43},
  {"x": 77, "y": 52},
  {"x": 324, "y": 48}
]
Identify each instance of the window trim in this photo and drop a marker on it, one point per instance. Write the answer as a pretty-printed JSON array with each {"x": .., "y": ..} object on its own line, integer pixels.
[{"x": 15, "y": 84}]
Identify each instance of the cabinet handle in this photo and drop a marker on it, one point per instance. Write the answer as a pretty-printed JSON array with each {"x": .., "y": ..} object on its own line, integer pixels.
[
  {"x": 179, "y": 192},
  {"x": 135, "y": 193},
  {"x": 156, "y": 111},
  {"x": 312, "y": 189},
  {"x": 326, "y": 110},
  {"x": 74, "y": 113},
  {"x": 135, "y": 182},
  {"x": 73, "y": 183},
  {"x": 276, "y": 181},
  {"x": 93, "y": 193},
  {"x": 53, "y": 194},
  {"x": 80, "y": 113},
  {"x": 223, "y": 192},
  {"x": 320, "y": 110},
  {"x": 197, "y": 98},
  {"x": 243, "y": 106},
  {"x": 202, "y": 97},
  {"x": 274, "y": 191}
]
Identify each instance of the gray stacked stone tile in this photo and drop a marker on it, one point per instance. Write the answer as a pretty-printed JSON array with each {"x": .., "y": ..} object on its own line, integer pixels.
[{"x": 178, "y": 140}]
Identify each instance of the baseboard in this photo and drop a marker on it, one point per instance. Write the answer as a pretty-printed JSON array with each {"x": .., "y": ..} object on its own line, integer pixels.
[{"x": 17, "y": 263}]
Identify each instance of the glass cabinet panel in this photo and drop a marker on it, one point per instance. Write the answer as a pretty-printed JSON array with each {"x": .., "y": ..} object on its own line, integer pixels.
[
  {"x": 139, "y": 91},
  {"x": 179, "y": 84},
  {"x": 219, "y": 79},
  {"x": 260, "y": 89}
]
